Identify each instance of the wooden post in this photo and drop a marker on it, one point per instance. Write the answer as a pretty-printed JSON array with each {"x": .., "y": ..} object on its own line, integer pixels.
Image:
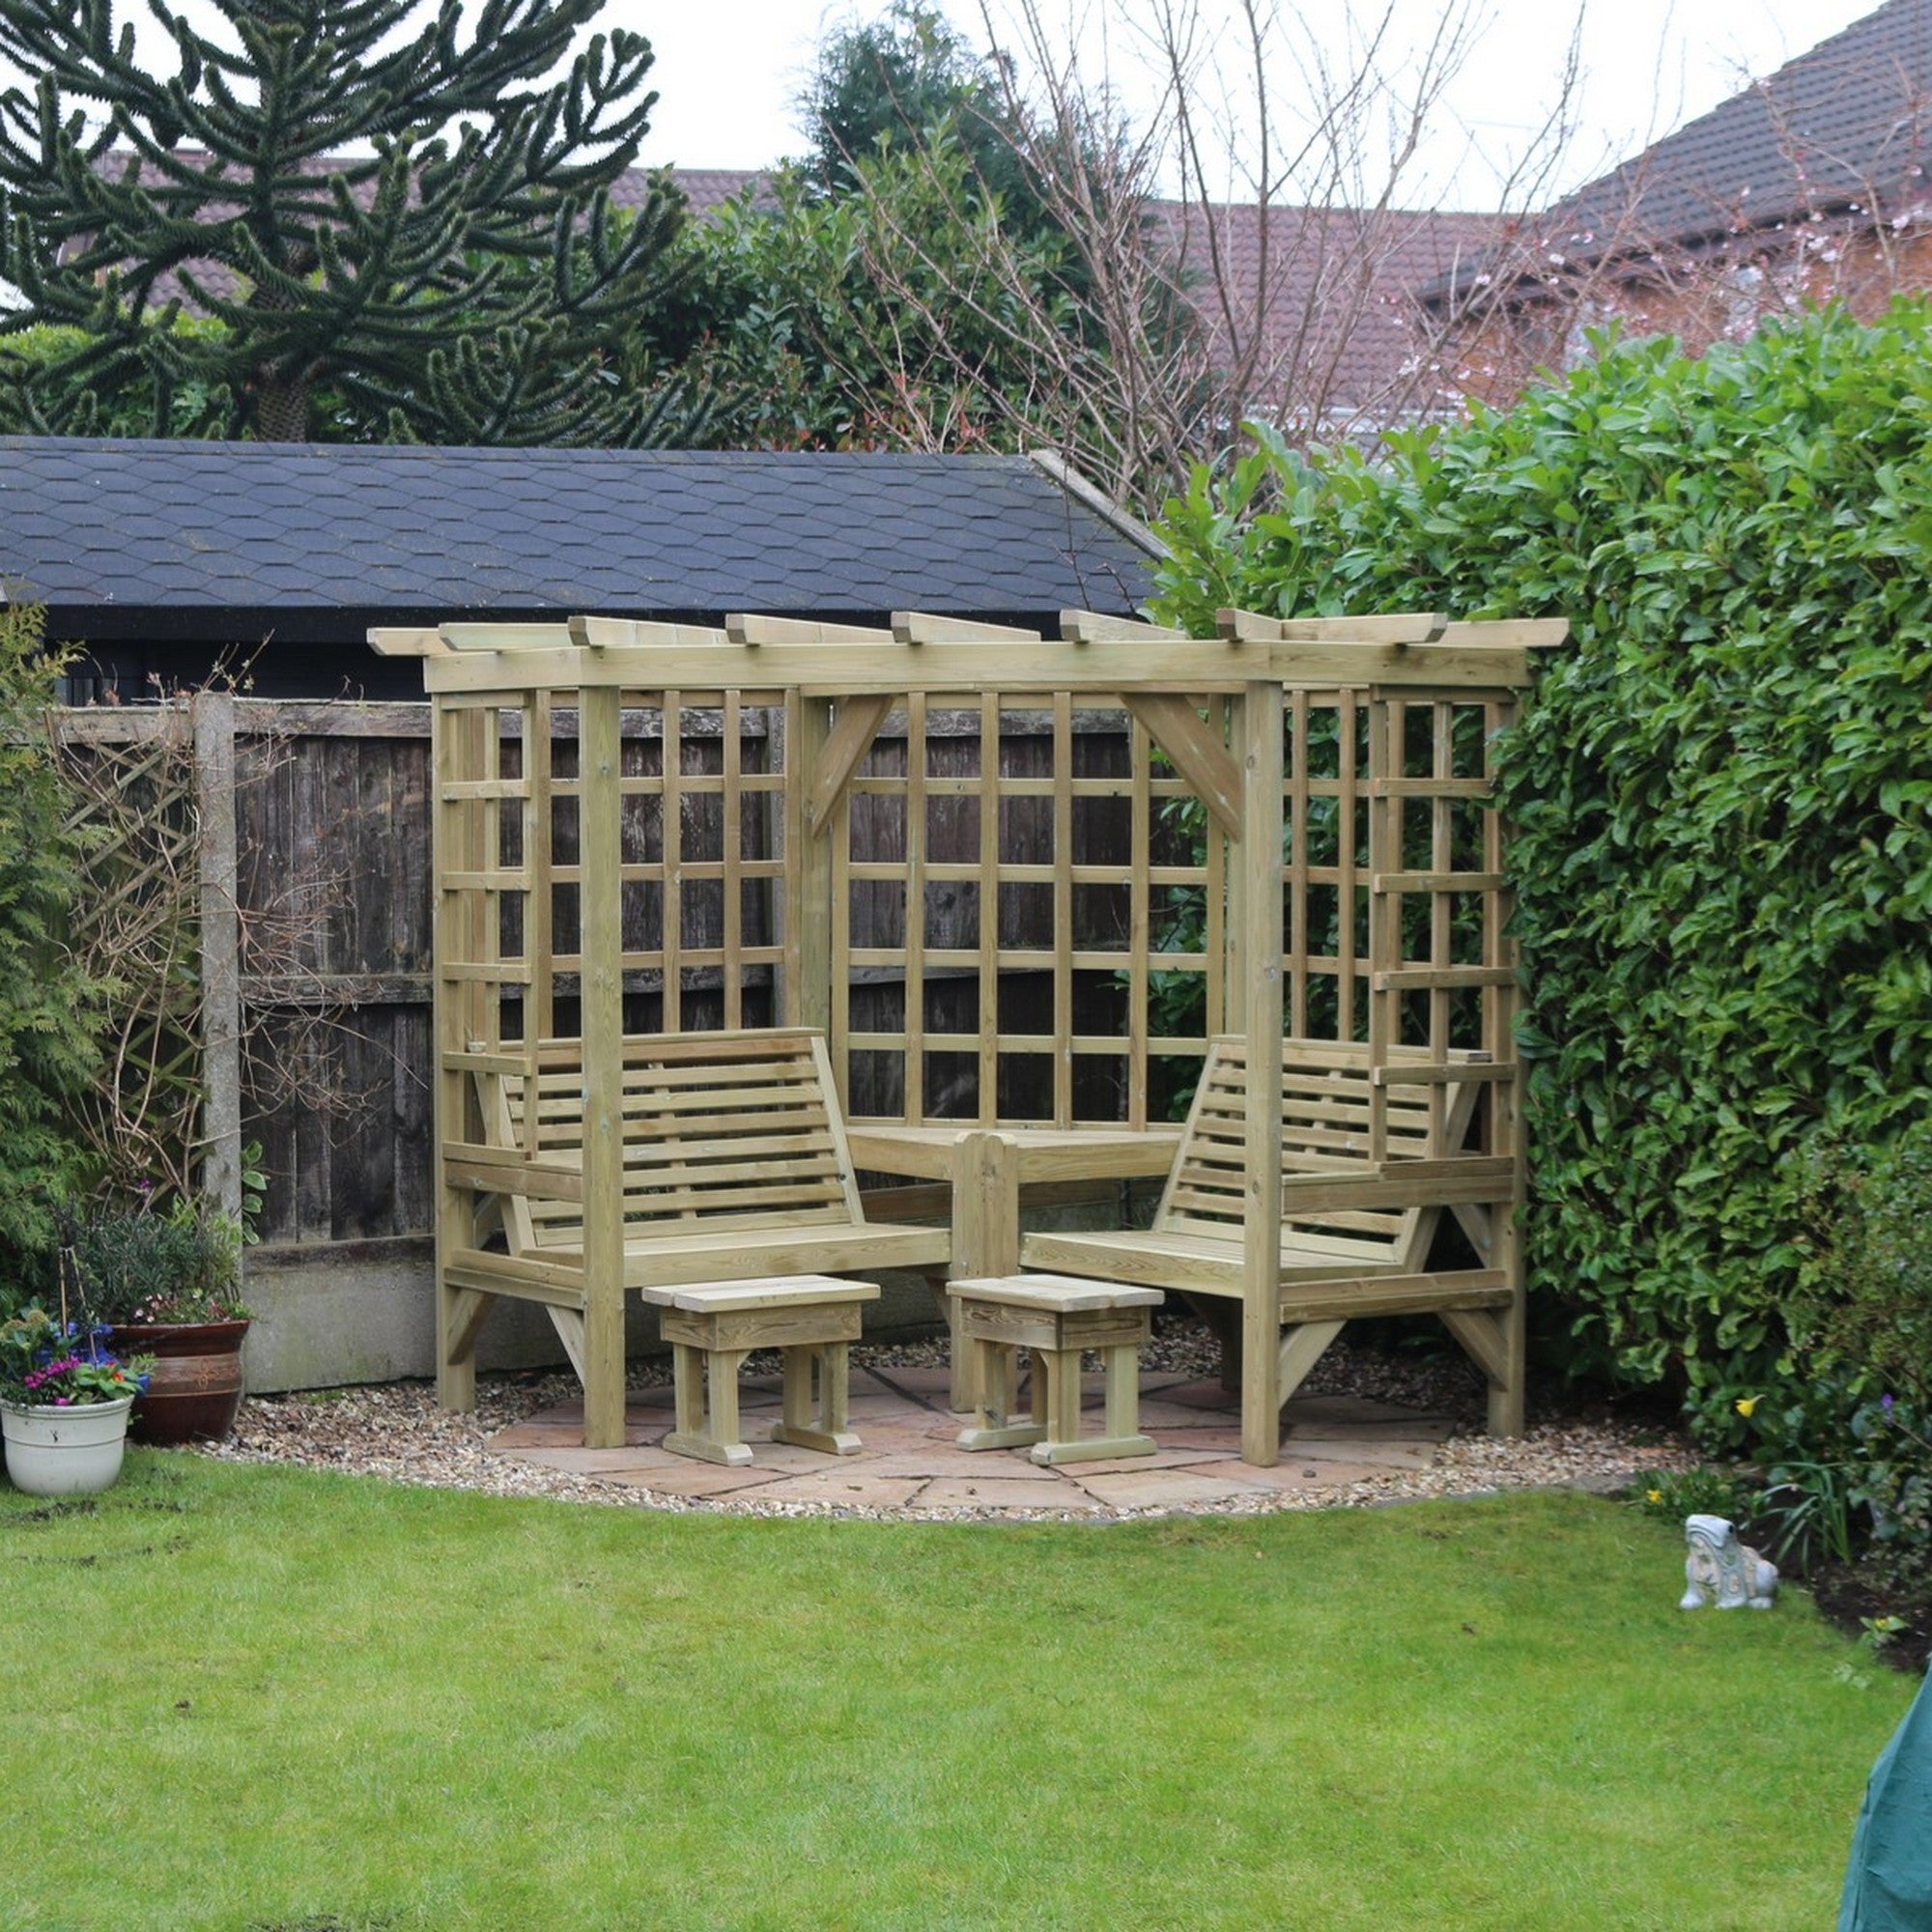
[
  {"x": 1500, "y": 1000},
  {"x": 1261, "y": 953},
  {"x": 600, "y": 762},
  {"x": 808, "y": 858},
  {"x": 456, "y": 757},
  {"x": 985, "y": 1235},
  {"x": 220, "y": 952}
]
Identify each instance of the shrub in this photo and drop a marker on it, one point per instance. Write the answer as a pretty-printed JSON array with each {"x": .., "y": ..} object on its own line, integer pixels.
[
  {"x": 182, "y": 1263},
  {"x": 1720, "y": 788},
  {"x": 47, "y": 1002}
]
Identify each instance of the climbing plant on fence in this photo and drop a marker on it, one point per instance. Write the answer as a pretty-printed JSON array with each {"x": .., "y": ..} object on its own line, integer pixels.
[
  {"x": 199, "y": 944},
  {"x": 1724, "y": 855}
]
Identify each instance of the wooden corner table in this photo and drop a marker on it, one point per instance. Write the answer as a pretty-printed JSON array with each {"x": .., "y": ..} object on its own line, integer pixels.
[{"x": 989, "y": 1169}]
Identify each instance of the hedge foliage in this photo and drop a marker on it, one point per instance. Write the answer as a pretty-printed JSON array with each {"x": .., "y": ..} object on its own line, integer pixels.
[
  {"x": 1720, "y": 787},
  {"x": 49, "y": 1003}
]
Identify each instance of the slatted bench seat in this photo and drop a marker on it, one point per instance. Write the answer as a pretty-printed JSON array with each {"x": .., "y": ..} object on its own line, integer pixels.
[
  {"x": 735, "y": 1166},
  {"x": 1355, "y": 1232}
]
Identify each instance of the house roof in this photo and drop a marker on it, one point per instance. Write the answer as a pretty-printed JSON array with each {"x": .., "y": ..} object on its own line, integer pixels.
[
  {"x": 1335, "y": 289},
  {"x": 1843, "y": 127},
  {"x": 127, "y": 540}
]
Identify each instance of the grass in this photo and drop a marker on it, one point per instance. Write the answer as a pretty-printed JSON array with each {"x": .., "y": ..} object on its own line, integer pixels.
[{"x": 337, "y": 1704}]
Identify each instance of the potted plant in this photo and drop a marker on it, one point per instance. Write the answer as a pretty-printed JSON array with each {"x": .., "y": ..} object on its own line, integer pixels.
[
  {"x": 64, "y": 1404},
  {"x": 167, "y": 1283}
]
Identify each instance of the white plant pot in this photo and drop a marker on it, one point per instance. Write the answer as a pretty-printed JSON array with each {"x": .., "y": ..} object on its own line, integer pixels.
[{"x": 72, "y": 1451}]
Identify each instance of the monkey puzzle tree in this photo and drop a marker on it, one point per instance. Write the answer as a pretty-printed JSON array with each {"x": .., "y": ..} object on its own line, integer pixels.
[{"x": 400, "y": 206}]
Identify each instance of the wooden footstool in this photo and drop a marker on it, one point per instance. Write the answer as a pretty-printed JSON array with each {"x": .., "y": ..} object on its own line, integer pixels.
[
  {"x": 712, "y": 1326},
  {"x": 1055, "y": 1317}
]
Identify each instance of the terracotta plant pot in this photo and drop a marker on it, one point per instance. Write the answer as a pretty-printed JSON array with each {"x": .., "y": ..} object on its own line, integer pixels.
[
  {"x": 70, "y": 1451},
  {"x": 195, "y": 1387}
]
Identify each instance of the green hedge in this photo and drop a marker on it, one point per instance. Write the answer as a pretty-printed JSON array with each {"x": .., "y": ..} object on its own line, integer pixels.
[
  {"x": 1720, "y": 787},
  {"x": 48, "y": 1005}
]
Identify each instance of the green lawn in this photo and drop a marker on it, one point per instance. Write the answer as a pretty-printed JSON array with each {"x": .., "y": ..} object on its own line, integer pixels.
[{"x": 346, "y": 1705}]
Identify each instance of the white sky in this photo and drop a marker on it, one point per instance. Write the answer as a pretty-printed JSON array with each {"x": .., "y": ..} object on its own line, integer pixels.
[{"x": 728, "y": 71}]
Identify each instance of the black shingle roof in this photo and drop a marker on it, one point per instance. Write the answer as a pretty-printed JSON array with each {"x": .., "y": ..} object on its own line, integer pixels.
[{"x": 204, "y": 540}]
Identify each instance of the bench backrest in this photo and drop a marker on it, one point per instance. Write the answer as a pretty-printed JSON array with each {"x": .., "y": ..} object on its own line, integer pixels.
[
  {"x": 1326, "y": 1098},
  {"x": 735, "y": 1127}
]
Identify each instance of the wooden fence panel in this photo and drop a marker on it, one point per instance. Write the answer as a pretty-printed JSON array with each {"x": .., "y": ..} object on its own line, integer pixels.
[{"x": 329, "y": 889}]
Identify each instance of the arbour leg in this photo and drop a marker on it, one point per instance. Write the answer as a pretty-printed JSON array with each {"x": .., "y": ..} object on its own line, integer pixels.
[{"x": 459, "y": 1320}]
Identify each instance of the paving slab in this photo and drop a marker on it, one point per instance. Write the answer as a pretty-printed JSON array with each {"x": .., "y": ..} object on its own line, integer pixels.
[
  {"x": 1330, "y": 1413},
  {"x": 871, "y": 1489},
  {"x": 1164, "y": 1458},
  {"x": 1387, "y": 1455},
  {"x": 1208, "y": 1394},
  {"x": 581, "y": 1462},
  {"x": 1290, "y": 1474},
  {"x": 935, "y": 1383},
  {"x": 1001, "y": 1493},
  {"x": 924, "y": 1465},
  {"x": 1160, "y": 1413},
  {"x": 551, "y": 1431},
  {"x": 1169, "y": 1488},
  {"x": 691, "y": 1478}
]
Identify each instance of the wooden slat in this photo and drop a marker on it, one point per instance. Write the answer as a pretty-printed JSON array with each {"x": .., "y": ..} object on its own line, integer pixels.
[
  {"x": 393, "y": 640},
  {"x": 1262, "y": 722},
  {"x": 978, "y": 661},
  {"x": 1423, "y": 979},
  {"x": 1096, "y": 626},
  {"x": 923, "y": 627},
  {"x": 1253, "y": 627},
  {"x": 1436, "y": 882},
  {"x": 750, "y": 628},
  {"x": 1350, "y": 1299},
  {"x": 987, "y": 905},
  {"x": 510, "y": 1171},
  {"x": 490, "y": 638}
]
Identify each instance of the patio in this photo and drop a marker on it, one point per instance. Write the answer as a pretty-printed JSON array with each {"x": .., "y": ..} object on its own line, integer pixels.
[{"x": 911, "y": 1461}]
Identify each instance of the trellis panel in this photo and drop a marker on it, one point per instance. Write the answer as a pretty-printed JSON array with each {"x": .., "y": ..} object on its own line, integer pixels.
[{"x": 952, "y": 811}]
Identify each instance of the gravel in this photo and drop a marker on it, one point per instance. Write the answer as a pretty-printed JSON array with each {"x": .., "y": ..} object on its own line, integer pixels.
[{"x": 395, "y": 1431}]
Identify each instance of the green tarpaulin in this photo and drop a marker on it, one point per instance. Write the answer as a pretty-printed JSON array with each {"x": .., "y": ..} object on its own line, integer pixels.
[{"x": 1888, "y": 1884}]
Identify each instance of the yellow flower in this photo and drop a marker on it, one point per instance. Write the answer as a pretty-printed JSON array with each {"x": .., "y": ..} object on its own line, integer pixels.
[
  {"x": 1746, "y": 1403},
  {"x": 1653, "y": 1495}
]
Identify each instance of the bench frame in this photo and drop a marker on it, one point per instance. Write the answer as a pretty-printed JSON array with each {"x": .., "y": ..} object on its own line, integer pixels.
[
  {"x": 692, "y": 1158},
  {"x": 1354, "y": 1232}
]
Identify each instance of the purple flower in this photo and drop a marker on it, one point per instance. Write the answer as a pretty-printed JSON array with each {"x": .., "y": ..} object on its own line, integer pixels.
[{"x": 1885, "y": 1403}]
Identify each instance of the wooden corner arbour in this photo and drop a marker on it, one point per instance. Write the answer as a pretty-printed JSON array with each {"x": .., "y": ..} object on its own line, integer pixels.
[{"x": 986, "y": 871}]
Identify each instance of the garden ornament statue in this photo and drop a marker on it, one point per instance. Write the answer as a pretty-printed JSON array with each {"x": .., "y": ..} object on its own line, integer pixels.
[{"x": 1718, "y": 1567}]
